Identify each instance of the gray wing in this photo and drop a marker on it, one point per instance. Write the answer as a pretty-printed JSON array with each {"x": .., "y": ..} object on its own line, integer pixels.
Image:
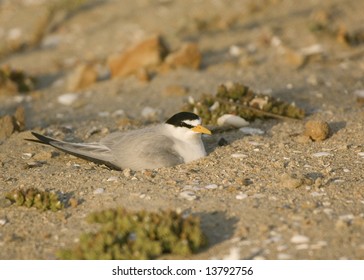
[
  {"x": 90, "y": 151},
  {"x": 142, "y": 149}
]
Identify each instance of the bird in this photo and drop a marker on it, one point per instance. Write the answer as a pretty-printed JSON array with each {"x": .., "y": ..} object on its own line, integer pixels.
[{"x": 174, "y": 142}]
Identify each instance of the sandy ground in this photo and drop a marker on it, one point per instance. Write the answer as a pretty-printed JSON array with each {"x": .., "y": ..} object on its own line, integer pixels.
[{"x": 245, "y": 193}]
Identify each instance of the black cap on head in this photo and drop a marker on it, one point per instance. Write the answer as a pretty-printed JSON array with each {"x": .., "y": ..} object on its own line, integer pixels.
[{"x": 179, "y": 118}]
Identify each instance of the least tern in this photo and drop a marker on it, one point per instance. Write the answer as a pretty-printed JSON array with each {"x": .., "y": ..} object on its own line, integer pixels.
[{"x": 174, "y": 142}]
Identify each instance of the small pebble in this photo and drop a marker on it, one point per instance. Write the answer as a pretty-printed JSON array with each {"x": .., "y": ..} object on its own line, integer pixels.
[
  {"x": 118, "y": 113},
  {"x": 34, "y": 164},
  {"x": 127, "y": 172},
  {"x": 318, "y": 245},
  {"x": 253, "y": 143},
  {"x": 234, "y": 254},
  {"x": 214, "y": 106},
  {"x": 144, "y": 196},
  {"x": 321, "y": 154},
  {"x": 99, "y": 191},
  {"x": 315, "y": 194},
  {"x": 303, "y": 246},
  {"x": 26, "y": 155},
  {"x": 359, "y": 93},
  {"x": 234, "y": 50},
  {"x": 3, "y": 221},
  {"x": 104, "y": 114},
  {"x": 239, "y": 156},
  {"x": 112, "y": 179},
  {"x": 251, "y": 131},
  {"x": 4, "y": 202},
  {"x": 299, "y": 239},
  {"x": 241, "y": 196},
  {"x": 73, "y": 202},
  {"x": 283, "y": 256},
  {"x": 328, "y": 211},
  {"x": 51, "y": 41},
  {"x": 67, "y": 98},
  {"x": 361, "y": 154},
  {"x": 149, "y": 113},
  {"x": 211, "y": 187},
  {"x": 188, "y": 195},
  {"x": 347, "y": 217},
  {"x": 43, "y": 155},
  {"x": 289, "y": 181}
]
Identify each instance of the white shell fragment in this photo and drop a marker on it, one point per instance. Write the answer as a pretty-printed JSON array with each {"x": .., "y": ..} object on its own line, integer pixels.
[
  {"x": 239, "y": 156},
  {"x": 26, "y": 155},
  {"x": 232, "y": 120},
  {"x": 211, "y": 187},
  {"x": 359, "y": 93},
  {"x": 118, "y": 113},
  {"x": 251, "y": 131},
  {"x": 299, "y": 239},
  {"x": 241, "y": 196},
  {"x": 112, "y": 179},
  {"x": 149, "y": 113},
  {"x": 188, "y": 195},
  {"x": 234, "y": 254},
  {"x": 3, "y": 221},
  {"x": 99, "y": 191},
  {"x": 215, "y": 106},
  {"x": 321, "y": 154},
  {"x": 191, "y": 100},
  {"x": 235, "y": 50},
  {"x": 67, "y": 98}
]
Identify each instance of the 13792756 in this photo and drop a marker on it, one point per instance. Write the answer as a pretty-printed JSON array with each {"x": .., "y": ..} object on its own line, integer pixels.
[{"x": 229, "y": 270}]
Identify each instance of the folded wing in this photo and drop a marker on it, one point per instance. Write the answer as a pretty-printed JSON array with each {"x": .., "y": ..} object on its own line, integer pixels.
[{"x": 95, "y": 152}]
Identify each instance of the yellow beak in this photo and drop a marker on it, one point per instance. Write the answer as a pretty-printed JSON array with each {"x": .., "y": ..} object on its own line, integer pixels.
[{"x": 201, "y": 129}]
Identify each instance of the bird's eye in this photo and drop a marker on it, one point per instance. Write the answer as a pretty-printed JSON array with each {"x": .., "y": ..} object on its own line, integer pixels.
[{"x": 183, "y": 124}]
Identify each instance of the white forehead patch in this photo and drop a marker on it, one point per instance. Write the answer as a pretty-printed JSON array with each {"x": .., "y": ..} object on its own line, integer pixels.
[{"x": 193, "y": 122}]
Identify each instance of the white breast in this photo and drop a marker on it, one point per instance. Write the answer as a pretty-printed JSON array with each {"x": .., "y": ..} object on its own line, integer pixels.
[
  {"x": 191, "y": 150},
  {"x": 187, "y": 143}
]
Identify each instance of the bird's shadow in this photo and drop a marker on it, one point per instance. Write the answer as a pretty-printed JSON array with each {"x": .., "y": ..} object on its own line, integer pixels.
[
  {"x": 337, "y": 126},
  {"x": 226, "y": 136},
  {"x": 217, "y": 226}
]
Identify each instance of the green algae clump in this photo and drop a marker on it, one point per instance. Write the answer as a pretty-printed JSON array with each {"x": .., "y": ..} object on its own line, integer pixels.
[
  {"x": 138, "y": 235},
  {"x": 241, "y": 101},
  {"x": 32, "y": 197}
]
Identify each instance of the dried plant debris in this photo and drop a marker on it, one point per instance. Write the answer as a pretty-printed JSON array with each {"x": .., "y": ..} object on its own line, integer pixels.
[
  {"x": 323, "y": 22},
  {"x": 241, "y": 101},
  {"x": 32, "y": 197},
  {"x": 12, "y": 123},
  {"x": 352, "y": 38},
  {"x": 138, "y": 235},
  {"x": 13, "y": 81}
]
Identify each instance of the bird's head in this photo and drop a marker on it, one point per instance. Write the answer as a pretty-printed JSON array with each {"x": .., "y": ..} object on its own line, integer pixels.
[{"x": 188, "y": 123}]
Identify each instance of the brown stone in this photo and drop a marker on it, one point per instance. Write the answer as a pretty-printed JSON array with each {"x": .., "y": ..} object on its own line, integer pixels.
[
  {"x": 317, "y": 130},
  {"x": 294, "y": 58},
  {"x": 188, "y": 56},
  {"x": 174, "y": 90},
  {"x": 83, "y": 76},
  {"x": 147, "y": 53},
  {"x": 7, "y": 126},
  {"x": 20, "y": 118}
]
